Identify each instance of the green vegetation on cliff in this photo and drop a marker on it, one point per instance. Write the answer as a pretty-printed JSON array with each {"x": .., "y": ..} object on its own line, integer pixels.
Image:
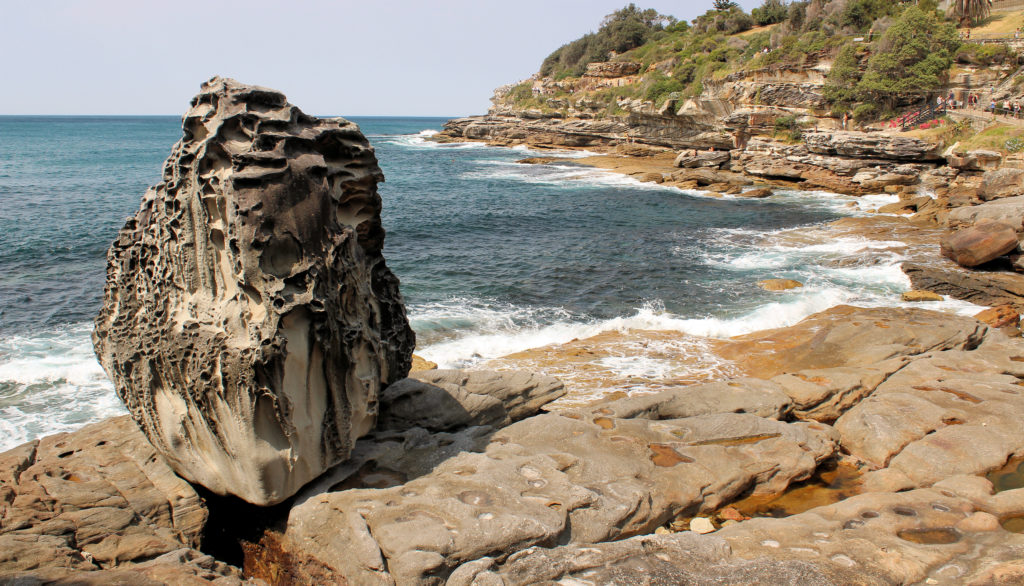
[{"x": 885, "y": 53}]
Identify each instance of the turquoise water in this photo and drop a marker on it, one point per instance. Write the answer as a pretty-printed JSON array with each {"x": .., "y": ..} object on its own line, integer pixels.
[{"x": 493, "y": 256}]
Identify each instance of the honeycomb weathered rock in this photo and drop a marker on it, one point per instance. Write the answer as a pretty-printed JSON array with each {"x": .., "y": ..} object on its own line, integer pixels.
[{"x": 249, "y": 319}]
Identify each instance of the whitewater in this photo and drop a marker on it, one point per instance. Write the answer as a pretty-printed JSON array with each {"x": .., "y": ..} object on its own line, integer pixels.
[{"x": 495, "y": 257}]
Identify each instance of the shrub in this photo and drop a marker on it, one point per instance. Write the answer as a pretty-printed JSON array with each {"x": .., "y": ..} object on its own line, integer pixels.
[
  {"x": 1015, "y": 145},
  {"x": 624, "y": 29},
  {"x": 660, "y": 89},
  {"x": 771, "y": 12},
  {"x": 911, "y": 59},
  {"x": 865, "y": 112}
]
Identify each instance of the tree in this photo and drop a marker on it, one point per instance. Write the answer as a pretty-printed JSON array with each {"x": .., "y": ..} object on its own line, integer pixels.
[
  {"x": 770, "y": 12},
  {"x": 723, "y": 5},
  {"x": 622, "y": 30},
  {"x": 911, "y": 60},
  {"x": 969, "y": 11}
]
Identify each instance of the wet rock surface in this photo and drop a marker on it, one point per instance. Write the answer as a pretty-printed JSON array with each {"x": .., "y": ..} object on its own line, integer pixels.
[{"x": 249, "y": 320}]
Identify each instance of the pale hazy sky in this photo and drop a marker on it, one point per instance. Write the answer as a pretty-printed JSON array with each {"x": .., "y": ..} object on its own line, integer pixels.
[{"x": 383, "y": 57}]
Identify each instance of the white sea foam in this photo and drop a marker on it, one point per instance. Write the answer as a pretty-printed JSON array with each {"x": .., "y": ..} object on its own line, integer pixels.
[
  {"x": 51, "y": 383},
  {"x": 562, "y": 176}
]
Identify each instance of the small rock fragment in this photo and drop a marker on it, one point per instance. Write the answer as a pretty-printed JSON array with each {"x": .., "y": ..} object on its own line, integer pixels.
[
  {"x": 916, "y": 296},
  {"x": 779, "y": 284}
]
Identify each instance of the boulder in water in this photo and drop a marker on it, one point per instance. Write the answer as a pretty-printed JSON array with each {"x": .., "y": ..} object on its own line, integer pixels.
[{"x": 249, "y": 319}]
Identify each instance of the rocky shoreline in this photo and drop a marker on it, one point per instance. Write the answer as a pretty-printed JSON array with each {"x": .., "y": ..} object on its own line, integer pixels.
[{"x": 478, "y": 478}]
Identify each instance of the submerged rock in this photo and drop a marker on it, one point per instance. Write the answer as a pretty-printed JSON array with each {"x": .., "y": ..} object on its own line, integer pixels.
[{"x": 249, "y": 320}]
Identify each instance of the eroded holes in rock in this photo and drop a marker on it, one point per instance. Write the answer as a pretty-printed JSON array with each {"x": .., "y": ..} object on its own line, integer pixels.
[
  {"x": 940, "y": 507},
  {"x": 1013, "y": 523},
  {"x": 370, "y": 475},
  {"x": 936, "y": 536},
  {"x": 737, "y": 441},
  {"x": 65, "y": 454},
  {"x": 281, "y": 255},
  {"x": 853, "y": 524},
  {"x": 830, "y": 484},
  {"x": 476, "y": 498},
  {"x": 1009, "y": 477},
  {"x": 604, "y": 423},
  {"x": 234, "y": 522},
  {"x": 870, "y": 514},
  {"x": 1017, "y": 358},
  {"x": 904, "y": 511},
  {"x": 217, "y": 239},
  {"x": 575, "y": 416},
  {"x": 666, "y": 456}
]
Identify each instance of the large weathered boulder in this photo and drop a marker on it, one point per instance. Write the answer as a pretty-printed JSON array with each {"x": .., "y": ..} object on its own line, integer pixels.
[
  {"x": 695, "y": 159},
  {"x": 1001, "y": 183},
  {"x": 92, "y": 499},
  {"x": 1009, "y": 210},
  {"x": 874, "y": 145},
  {"x": 979, "y": 244},
  {"x": 249, "y": 320}
]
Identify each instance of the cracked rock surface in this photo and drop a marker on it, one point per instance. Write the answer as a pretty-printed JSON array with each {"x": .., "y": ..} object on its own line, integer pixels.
[
  {"x": 92, "y": 499},
  {"x": 249, "y": 321}
]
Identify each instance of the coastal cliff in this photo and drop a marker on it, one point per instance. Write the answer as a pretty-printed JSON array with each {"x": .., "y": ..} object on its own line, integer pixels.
[{"x": 861, "y": 445}]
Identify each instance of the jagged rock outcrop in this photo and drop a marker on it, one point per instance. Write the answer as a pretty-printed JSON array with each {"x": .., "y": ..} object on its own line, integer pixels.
[
  {"x": 249, "y": 319},
  {"x": 612, "y": 69},
  {"x": 873, "y": 145},
  {"x": 92, "y": 499},
  {"x": 980, "y": 287}
]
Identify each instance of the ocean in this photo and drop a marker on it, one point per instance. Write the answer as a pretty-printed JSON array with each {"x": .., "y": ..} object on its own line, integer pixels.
[{"x": 494, "y": 257}]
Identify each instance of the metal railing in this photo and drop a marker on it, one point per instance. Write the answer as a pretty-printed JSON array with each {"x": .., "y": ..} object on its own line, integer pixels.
[{"x": 925, "y": 113}]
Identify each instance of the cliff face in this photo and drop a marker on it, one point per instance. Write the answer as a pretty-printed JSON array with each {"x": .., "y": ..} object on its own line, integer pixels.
[
  {"x": 720, "y": 117},
  {"x": 249, "y": 319}
]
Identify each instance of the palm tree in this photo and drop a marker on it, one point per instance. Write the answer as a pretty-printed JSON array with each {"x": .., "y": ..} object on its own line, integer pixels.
[{"x": 970, "y": 11}]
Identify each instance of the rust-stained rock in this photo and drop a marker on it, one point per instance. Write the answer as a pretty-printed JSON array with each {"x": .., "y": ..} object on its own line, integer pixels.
[{"x": 249, "y": 319}]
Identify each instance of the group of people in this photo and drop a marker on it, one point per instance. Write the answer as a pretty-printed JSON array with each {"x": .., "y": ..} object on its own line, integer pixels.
[{"x": 972, "y": 101}]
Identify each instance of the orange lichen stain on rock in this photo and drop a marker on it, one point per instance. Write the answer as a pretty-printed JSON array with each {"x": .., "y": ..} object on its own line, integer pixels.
[
  {"x": 936, "y": 536},
  {"x": 737, "y": 441},
  {"x": 832, "y": 483},
  {"x": 666, "y": 456},
  {"x": 272, "y": 561},
  {"x": 958, "y": 394},
  {"x": 818, "y": 380},
  {"x": 604, "y": 423}
]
